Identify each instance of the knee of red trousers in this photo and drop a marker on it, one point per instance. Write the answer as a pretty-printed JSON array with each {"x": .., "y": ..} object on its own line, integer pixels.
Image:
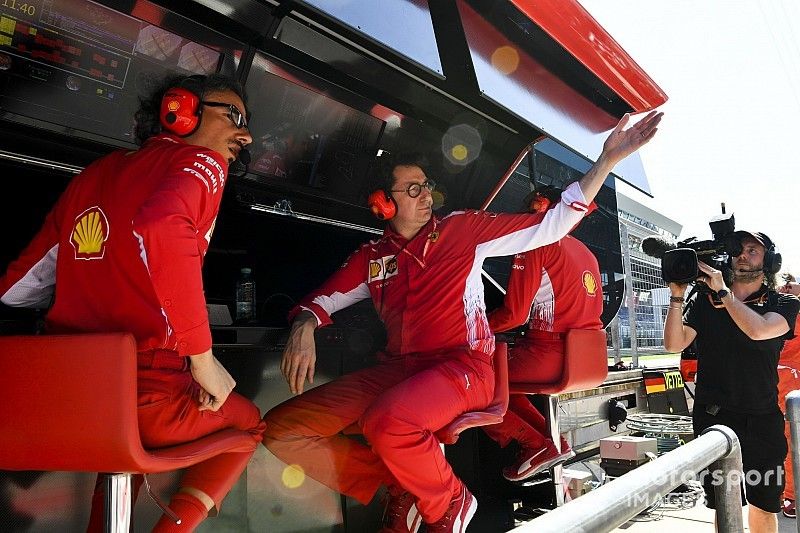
[{"x": 382, "y": 430}]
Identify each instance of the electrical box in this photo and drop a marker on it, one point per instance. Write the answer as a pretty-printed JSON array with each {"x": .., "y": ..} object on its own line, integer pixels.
[{"x": 627, "y": 448}]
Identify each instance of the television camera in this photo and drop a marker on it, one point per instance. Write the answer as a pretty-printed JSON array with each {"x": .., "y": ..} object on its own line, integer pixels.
[{"x": 679, "y": 259}]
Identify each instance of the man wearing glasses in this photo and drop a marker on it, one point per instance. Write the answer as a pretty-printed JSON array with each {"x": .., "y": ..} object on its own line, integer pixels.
[
  {"x": 122, "y": 251},
  {"x": 424, "y": 278}
]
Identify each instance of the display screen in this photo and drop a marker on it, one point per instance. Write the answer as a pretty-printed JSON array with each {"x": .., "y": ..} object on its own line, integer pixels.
[
  {"x": 81, "y": 65},
  {"x": 305, "y": 140}
]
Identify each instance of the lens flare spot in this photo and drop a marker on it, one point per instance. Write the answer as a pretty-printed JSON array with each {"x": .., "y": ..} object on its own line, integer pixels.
[
  {"x": 461, "y": 144},
  {"x": 293, "y": 476},
  {"x": 505, "y": 59},
  {"x": 459, "y": 152},
  {"x": 438, "y": 199}
]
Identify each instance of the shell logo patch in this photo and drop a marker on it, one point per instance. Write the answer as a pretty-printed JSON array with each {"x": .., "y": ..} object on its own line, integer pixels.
[
  {"x": 375, "y": 268},
  {"x": 90, "y": 234},
  {"x": 173, "y": 105},
  {"x": 589, "y": 283}
]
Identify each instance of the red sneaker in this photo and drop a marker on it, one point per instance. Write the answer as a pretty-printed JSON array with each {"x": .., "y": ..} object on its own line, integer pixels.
[
  {"x": 456, "y": 518},
  {"x": 401, "y": 514},
  {"x": 530, "y": 461}
]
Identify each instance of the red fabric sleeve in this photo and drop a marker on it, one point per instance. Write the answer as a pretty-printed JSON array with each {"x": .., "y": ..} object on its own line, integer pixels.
[
  {"x": 30, "y": 280},
  {"x": 345, "y": 287},
  {"x": 168, "y": 226}
]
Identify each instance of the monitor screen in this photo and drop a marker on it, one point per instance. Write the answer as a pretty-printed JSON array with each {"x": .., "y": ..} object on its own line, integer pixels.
[
  {"x": 78, "y": 66},
  {"x": 304, "y": 140}
]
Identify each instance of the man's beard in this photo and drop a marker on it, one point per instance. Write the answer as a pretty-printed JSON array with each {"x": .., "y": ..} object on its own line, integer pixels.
[{"x": 749, "y": 276}]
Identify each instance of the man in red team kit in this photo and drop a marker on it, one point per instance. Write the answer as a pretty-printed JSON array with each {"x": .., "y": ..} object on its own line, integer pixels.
[
  {"x": 789, "y": 380},
  {"x": 554, "y": 289},
  {"x": 122, "y": 251},
  {"x": 424, "y": 278}
]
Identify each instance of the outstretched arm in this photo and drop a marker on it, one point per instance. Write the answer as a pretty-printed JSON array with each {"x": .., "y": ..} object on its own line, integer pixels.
[{"x": 620, "y": 144}]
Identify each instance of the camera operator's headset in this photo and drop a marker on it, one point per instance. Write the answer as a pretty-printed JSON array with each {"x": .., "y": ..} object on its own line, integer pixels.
[{"x": 181, "y": 107}]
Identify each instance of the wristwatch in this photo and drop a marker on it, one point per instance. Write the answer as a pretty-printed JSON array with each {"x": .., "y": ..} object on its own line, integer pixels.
[{"x": 722, "y": 293}]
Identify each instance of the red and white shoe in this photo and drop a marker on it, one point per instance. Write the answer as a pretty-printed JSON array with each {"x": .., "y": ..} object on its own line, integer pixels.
[
  {"x": 530, "y": 461},
  {"x": 789, "y": 510},
  {"x": 458, "y": 515},
  {"x": 401, "y": 514}
]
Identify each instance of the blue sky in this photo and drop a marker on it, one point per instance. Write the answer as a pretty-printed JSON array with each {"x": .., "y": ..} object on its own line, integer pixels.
[{"x": 731, "y": 69}]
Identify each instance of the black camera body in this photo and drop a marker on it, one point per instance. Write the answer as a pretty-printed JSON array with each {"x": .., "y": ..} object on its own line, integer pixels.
[{"x": 680, "y": 265}]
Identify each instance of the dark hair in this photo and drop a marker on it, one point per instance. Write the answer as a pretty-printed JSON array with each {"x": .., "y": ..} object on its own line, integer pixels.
[
  {"x": 147, "y": 117},
  {"x": 384, "y": 177}
]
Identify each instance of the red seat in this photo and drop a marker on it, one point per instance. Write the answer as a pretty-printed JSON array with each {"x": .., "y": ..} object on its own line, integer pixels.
[
  {"x": 493, "y": 414},
  {"x": 585, "y": 367},
  {"x": 70, "y": 405}
]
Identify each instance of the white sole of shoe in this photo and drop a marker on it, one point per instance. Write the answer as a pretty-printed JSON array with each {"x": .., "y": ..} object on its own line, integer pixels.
[
  {"x": 473, "y": 506},
  {"x": 544, "y": 466}
]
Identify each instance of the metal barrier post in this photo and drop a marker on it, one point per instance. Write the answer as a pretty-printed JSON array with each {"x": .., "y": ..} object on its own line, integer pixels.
[
  {"x": 611, "y": 505},
  {"x": 728, "y": 495},
  {"x": 793, "y": 416}
]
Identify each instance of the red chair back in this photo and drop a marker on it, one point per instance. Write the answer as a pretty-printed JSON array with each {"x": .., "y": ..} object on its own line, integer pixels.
[
  {"x": 70, "y": 405},
  {"x": 585, "y": 365}
]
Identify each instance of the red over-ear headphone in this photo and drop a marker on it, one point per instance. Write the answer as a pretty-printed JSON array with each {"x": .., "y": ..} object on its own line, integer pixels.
[
  {"x": 382, "y": 204},
  {"x": 180, "y": 111},
  {"x": 539, "y": 203}
]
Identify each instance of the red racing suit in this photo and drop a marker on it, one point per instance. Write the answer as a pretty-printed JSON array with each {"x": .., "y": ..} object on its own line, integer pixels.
[
  {"x": 554, "y": 289},
  {"x": 122, "y": 250},
  {"x": 429, "y": 293},
  {"x": 789, "y": 380}
]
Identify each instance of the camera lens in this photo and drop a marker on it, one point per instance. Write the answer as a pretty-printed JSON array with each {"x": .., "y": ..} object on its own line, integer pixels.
[{"x": 679, "y": 266}]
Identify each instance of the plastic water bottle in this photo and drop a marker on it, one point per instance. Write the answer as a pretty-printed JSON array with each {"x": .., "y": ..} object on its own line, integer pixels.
[{"x": 245, "y": 297}]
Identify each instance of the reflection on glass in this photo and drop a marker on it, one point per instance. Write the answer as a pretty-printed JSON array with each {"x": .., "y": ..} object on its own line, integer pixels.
[
  {"x": 304, "y": 139},
  {"x": 403, "y": 25}
]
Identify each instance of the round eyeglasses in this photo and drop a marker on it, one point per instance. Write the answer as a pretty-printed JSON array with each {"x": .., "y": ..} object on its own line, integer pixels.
[
  {"x": 234, "y": 114},
  {"x": 415, "y": 189}
]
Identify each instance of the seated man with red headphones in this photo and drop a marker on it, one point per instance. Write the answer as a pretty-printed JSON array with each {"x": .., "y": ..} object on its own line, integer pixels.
[
  {"x": 424, "y": 278},
  {"x": 740, "y": 324},
  {"x": 122, "y": 250}
]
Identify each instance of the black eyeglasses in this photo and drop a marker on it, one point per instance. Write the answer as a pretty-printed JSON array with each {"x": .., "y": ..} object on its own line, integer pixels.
[
  {"x": 415, "y": 189},
  {"x": 234, "y": 114}
]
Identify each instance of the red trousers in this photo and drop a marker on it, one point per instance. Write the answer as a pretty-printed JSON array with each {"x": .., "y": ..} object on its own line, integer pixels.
[
  {"x": 788, "y": 380},
  {"x": 532, "y": 360},
  {"x": 168, "y": 415},
  {"x": 398, "y": 405}
]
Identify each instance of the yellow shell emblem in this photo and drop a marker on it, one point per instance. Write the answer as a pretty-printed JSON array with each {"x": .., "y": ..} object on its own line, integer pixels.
[
  {"x": 90, "y": 234},
  {"x": 374, "y": 269},
  {"x": 589, "y": 283},
  {"x": 173, "y": 105}
]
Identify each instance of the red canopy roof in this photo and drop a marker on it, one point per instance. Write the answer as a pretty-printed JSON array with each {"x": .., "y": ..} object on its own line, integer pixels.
[{"x": 569, "y": 24}]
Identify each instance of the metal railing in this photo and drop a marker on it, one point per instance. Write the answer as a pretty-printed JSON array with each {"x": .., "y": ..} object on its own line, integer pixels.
[
  {"x": 613, "y": 504},
  {"x": 793, "y": 416}
]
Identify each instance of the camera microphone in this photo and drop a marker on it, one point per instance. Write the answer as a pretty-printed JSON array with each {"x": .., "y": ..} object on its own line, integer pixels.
[{"x": 657, "y": 246}]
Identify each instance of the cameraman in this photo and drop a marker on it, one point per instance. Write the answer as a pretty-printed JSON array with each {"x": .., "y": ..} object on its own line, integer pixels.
[{"x": 740, "y": 332}]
